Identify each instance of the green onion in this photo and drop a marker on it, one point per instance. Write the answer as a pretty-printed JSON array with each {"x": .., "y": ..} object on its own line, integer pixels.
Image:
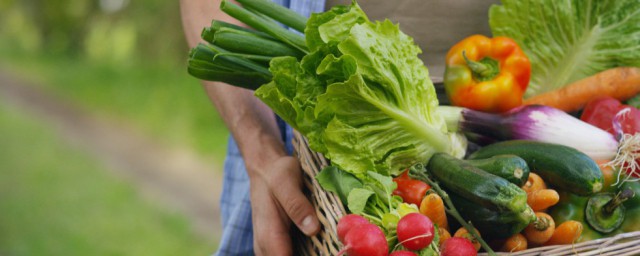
[
  {"x": 214, "y": 64},
  {"x": 277, "y": 12},
  {"x": 217, "y": 25},
  {"x": 245, "y": 42},
  {"x": 273, "y": 29}
]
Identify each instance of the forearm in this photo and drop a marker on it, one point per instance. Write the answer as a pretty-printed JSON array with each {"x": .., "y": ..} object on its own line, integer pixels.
[{"x": 250, "y": 121}]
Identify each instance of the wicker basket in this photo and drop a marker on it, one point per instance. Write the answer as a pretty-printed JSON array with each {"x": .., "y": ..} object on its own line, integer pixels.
[{"x": 329, "y": 209}]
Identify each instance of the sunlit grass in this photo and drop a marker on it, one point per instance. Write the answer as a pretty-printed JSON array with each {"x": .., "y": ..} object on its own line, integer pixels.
[{"x": 56, "y": 200}]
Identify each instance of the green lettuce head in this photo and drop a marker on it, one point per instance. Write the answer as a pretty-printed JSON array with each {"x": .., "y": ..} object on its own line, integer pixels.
[{"x": 362, "y": 96}]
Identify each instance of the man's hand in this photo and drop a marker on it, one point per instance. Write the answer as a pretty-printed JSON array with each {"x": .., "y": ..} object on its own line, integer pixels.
[{"x": 276, "y": 200}]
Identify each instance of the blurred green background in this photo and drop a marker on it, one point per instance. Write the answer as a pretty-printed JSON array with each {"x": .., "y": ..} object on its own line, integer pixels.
[{"x": 116, "y": 60}]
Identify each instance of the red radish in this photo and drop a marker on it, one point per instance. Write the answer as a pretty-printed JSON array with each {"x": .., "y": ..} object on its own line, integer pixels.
[
  {"x": 365, "y": 240},
  {"x": 415, "y": 231},
  {"x": 347, "y": 222},
  {"x": 403, "y": 253},
  {"x": 457, "y": 246},
  {"x": 601, "y": 113}
]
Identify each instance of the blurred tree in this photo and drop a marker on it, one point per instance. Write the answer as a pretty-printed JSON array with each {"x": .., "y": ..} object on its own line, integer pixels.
[
  {"x": 61, "y": 24},
  {"x": 142, "y": 30}
]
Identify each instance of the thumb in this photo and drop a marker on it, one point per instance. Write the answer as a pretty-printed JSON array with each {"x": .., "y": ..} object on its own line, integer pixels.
[{"x": 288, "y": 193}]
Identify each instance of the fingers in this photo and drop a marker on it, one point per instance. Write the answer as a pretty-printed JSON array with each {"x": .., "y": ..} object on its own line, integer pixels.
[
  {"x": 288, "y": 192},
  {"x": 270, "y": 227}
]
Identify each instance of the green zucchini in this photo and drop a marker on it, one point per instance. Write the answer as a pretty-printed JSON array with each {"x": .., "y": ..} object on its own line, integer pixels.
[
  {"x": 561, "y": 166},
  {"x": 476, "y": 185},
  {"x": 510, "y": 167},
  {"x": 492, "y": 223}
]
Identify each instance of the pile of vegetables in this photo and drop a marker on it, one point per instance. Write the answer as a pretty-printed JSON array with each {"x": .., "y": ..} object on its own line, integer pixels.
[{"x": 400, "y": 162}]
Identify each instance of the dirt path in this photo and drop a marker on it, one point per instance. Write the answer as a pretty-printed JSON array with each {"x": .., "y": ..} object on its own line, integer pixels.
[{"x": 176, "y": 179}]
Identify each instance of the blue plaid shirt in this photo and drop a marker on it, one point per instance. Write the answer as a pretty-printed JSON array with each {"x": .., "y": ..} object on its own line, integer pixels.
[{"x": 235, "y": 206}]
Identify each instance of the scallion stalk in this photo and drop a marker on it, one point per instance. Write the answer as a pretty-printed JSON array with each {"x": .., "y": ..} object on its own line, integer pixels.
[
  {"x": 217, "y": 25},
  {"x": 283, "y": 15},
  {"x": 244, "y": 42},
  {"x": 206, "y": 62},
  {"x": 273, "y": 29}
]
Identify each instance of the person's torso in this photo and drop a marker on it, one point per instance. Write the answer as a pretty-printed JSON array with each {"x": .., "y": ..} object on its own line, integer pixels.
[{"x": 435, "y": 25}]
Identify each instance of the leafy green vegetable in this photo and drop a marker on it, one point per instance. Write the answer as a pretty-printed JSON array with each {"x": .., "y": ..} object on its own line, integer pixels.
[
  {"x": 382, "y": 185},
  {"x": 370, "y": 197},
  {"x": 567, "y": 40},
  {"x": 361, "y": 96},
  {"x": 338, "y": 181},
  {"x": 358, "y": 199}
]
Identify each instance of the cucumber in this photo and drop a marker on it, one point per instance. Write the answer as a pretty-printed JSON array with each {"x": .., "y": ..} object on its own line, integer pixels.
[
  {"x": 492, "y": 223},
  {"x": 476, "y": 185},
  {"x": 561, "y": 166},
  {"x": 510, "y": 167}
]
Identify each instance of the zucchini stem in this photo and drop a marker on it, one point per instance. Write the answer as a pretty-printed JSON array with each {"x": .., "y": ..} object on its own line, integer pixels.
[
  {"x": 417, "y": 173},
  {"x": 617, "y": 200}
]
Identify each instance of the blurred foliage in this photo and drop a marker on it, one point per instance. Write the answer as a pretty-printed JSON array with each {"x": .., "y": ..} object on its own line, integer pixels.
[
  {"x": 122, "y": 59},
  {"x": 119, "y": 57},
  {"x": 106, "y": 30}
]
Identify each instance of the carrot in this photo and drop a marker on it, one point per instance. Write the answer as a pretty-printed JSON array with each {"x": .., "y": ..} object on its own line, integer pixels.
[
  {"x": 462, "y": 232},
  {"x": 621, "y": 83},
  {"x": 433, "y": 207},
  {"x": 540, "y": 231},
  {"x": 534, "y": 182},
  {"x": 515, "y": 243},
  {"x": 542, "y": 199},
  {"x": 566, "y": 233},
  {"x": 444, "y": 235}
]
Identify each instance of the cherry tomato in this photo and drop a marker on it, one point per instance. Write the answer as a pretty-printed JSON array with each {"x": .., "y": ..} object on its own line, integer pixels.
[{"x": 412, "y": 191}]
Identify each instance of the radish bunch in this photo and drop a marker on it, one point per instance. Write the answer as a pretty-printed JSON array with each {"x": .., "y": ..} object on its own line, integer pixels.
[{"x": 414, "y": 230}]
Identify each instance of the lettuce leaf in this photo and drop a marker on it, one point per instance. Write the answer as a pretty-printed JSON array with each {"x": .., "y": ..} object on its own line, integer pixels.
[
  {"x": 362, "y": 96},
  {"x": 567, "y": 40},
  {"x": 338, "y": 181}
]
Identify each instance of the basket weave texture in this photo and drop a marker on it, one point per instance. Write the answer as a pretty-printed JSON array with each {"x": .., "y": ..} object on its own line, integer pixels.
[{"x": 329, "y": 210}]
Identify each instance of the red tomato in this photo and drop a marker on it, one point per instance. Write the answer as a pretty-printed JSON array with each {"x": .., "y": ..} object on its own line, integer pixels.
[
  {"x": 412, "y": 191},
  {"x": 601, "y": 113}
]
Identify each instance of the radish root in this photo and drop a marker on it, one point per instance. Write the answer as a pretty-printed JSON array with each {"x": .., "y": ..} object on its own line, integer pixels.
[
  {"x": 413, "y": 238},
  {"x": 625, "y": 160},
  {"x": 628, "y": 152}
]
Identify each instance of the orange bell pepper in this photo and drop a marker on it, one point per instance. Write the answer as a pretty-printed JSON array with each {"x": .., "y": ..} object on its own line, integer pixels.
[{"x": 486, "y": 74}]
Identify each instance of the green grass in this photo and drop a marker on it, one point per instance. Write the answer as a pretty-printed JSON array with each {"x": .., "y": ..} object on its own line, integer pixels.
[
  {"x": 159, "y": 98},
  {"x": 56, "y": 200}
]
